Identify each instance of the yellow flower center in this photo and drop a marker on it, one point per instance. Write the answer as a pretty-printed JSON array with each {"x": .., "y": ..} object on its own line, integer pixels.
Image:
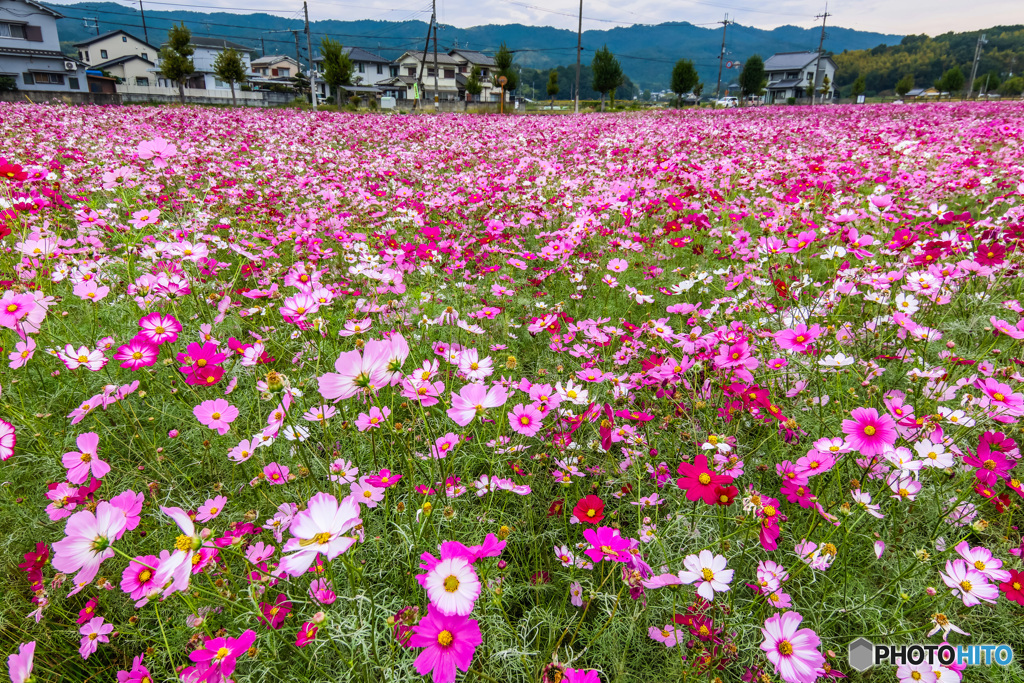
[
  {"x": 12, "y": 308},
  {"x": 965, "y": 585},
  {"x": 979, "y": 565},
  {"x": 215, "y": 416},
  {"x": 704, "y": 478},
  {"x": 451, "y": 584},
  {"x": 785, "y": 648},
  {"x": 145, "y": 575},
  {"x": 707, "y": 574},
  {"x": 183, "y": 542},
  {"x": 223, "y": 652},
  {"x": 869, "y": 430},
  {"x": 445, "y": 638},
  {"x": 999, "y": 397},
  {"x": 86, "y": 457}
]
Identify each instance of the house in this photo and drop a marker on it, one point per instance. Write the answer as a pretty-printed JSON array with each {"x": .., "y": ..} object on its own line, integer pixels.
[
  {"x": 131, "y": 69},
  {"x": 453, "y": 72},
  {"x": 206, "y": 51},
  {"x": 369, "y": 70},
  {"x": 922, "y": 92},
  {"x": 120, "y": 54},
  {"x": 467, "y": 60},
  {"x": 30, "y": 53},
  {"x": 790, "y": 74},
  {"x": 98, "y": 83},
  {"x": 275, "y": 66}
]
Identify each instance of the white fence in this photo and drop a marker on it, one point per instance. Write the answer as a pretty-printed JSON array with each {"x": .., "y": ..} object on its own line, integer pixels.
[{"x": 217, "y": 94}]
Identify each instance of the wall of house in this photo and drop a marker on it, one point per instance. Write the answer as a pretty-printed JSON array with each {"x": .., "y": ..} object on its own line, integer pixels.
[
  {"x": 158, "y": 95},
  {"x": 116, "y": 47},
  {"x": 17, "y": 65},
  {"x": 204, "y": 57},
  {"x": 14, "y": 11},
  {"x": 369, "y": 73}
]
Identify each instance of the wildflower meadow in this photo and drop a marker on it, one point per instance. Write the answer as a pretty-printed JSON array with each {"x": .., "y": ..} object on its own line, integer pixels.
[{"x": 706, "y": 396}]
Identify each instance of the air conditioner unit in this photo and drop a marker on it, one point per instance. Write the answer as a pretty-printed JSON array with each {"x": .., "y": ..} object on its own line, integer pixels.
[{"x": 70, "y": 66}]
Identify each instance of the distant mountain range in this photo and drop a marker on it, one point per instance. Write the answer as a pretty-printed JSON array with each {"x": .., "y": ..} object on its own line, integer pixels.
[{"x": 646, "y": 52}]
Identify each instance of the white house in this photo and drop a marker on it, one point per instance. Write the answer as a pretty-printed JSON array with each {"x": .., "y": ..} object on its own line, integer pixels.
[
  {"x": 30, "y": 52},
  {"x": 122, "y": 55},
  {"x": 206, "y": 51},
  {"x": 369, "y": 71},
  {"x": 453, "y": 71},
  {"x": 790, "y": 74}
]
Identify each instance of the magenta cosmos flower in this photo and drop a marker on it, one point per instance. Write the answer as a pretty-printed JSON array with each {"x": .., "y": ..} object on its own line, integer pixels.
[
  {"x": 525, "y": 420},
  {"x": 137, "y": 353},
  {"x": 19, "y": 664},
  {"x": 8, "y": 439},
  {"x": 86, "y": 460},
  {"x": 215, "y": 661},
  {"x": 216, "y": 414},
  {"x": 792, "y": 650},
  {"x": 159, "y": 328},
  {"x": 868, "y": 432},
  {"x": 319, "y": 530},
  {"x": 606, "y": 544},
  {"x": 449, "y": 642}
]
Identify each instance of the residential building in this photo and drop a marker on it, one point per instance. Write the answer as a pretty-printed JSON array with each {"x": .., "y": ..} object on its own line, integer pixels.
[
  {"x": 790, "y": 74},
  {"x": 30, "y": 51},
  {"x": 275, "y": 66},
  {"x": 467, "y": 59},
  {"x": 122, "y": 55},
  {"x": 369, "y": 72},
  {"x": 923, "y": 93},
  {"x": 206, "y": 51},
  {"x": 453, "y": 71}
]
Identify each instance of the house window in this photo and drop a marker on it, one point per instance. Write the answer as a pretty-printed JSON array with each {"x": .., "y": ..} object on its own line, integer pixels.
[
  {"x": 284, "y": 72},
  {"x": 145, "y": 55},
  {"x": 142, "y": 80},
  {"x": 431, "y": 72},
  {"x": 380, "y": 69},
  {"x": 12, "y": 31},
  {"x": 449, "y": 73},
  {"x": 410, "y": 71},
  {"x": 124, "y": 39},
  {"x": 73, "y": 83},
  {"x": 463, "y": 69},
  {"x": 38, "y": 78},
  {"x": 483, "y": 73},
  {"x": 361, "y": 67},
  {"x": 103, "y": 54},
  {"x": 27, "y": 79}
]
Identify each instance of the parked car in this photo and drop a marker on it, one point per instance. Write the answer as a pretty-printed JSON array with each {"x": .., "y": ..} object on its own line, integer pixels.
[{"x": 728, "y": 102}]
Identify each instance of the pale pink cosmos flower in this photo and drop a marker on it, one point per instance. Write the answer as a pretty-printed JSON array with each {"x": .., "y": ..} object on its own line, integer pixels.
[
  {"x": 319, "y": 530},
  {"x": 968, "y": 584},
  {"x": 375, "y": 419},
  {"x": 14, "y": 307},
  {"x": 473, "y": 399},
  {"x": 365, "y": 493},
  {"x": 89, "y": 290},
  {"x": 86, "y": 460},
  {"x": 618, "y": 265},
  {"x": 22, "y": 354},
  {"x": 792, "y": 650},
  {"x": 19, "y": 664},
  {"x": 343, "y": 471},
  {"x": 211, "y": 508},
  {"x": 357, "y": 372},
  {"x": 242, "y": 452},
  {"x": 576, "y": 594},
  {"x": 157, "y": 149},
  {"x": 354, "y": 327},
  {"x": 87, "y": 539},
  {"x": 444, "y": 445},
  {"x": 668, "y": 636},
  {"x": 916, "y": 673},
  {"x": 8, "y": 440},
  {"x": 981, "y": 558},
  {"x": 91, "y": 359},
  {"x": 216, "y": 414},
  {"x": 452, "y": 586}
]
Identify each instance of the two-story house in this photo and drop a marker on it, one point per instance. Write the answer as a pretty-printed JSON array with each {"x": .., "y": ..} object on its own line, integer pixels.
[
  {"x": 206, "y": 51},
  {"x": 122, "y": 55},
  {"x": 275, "y": 66},
  {"x": 369, "y": 71},
  {"x": 453, "y": 72},
  {"x": 790, "y": 74},
  {"x": 467, "y": 60},
  {"x": 30, "y": 53}
]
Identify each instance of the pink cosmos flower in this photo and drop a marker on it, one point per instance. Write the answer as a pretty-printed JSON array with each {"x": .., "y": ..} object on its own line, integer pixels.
[
  {"x": 473, "y": 399},
  {"x": 272, "y": 614},
  {"x": 307, "y": 634},
  {"x": 868, "y": 432},
  {"x": 386, "y": 479},
  {"x": 449, "y": 643},
  {"x": 618, "y": 265},
  {"x": 216, "y": 414},
  {"x": 215, "y": 661},
  {"x": 211, "y": 508},
  {"x": 525, "y": 419},
  {"x": 968, "y": 584},
  {"x": 606, "y": 544},
  {"x": 320, "y": 529},
  {"x": 89, "y": 290},
  {"x": 8, "y": 440},
  {"x": 19, "y": 664},
  {"x": 357, "y": 372},
  {"x": 157, "y": 149},
  {"x": 87, "y": 539},
  {"x": 582, "y": 676},
  {"x": 23, "y": 352},
  {"x": 137, "y": 353},
  {"x": 138, "y": 578},
  {"x": 93, "y": 633},
  {"x": 365, "y": 493},
  {"x": 792, "y": 650},
  {"x": 15, "y": 308},
  {"x": 373, "y": 420},
  {"x": 85, "y": 461},
  {"x": 799, "y": 338},
  {"x": 159, "y": 328},
  {"x": 452, "y": 586},
  {"x": 91, "y": 359},
  {"x": 667, "y": 636},
  {"x": 275, "y": 474}
]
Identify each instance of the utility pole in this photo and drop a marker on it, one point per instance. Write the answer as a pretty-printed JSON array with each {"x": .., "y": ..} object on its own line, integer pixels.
[
  {"x": 721, "y": 55},
  {"x": 579, "y": 49},
  {"x": 145, "y": 33},
  {"x": 95, "y": 23},
  {"x": 298, "y": 57},
  {"x": 974, "y": 66},
  {"x": 423, "y": 61},
  {"x": 817, "y": 61},
  {"x": 309, "y": 49},
  {"x": 437, "y": 96},
  {"x": 263, "y": 47}
]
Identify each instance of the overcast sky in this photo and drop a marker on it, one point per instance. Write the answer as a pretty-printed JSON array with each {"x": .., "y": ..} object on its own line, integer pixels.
[{"x": 883, "y": 16}]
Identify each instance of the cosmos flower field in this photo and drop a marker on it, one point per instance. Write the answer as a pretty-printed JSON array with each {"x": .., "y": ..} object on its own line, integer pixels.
[{"x": 702, "y": 396}]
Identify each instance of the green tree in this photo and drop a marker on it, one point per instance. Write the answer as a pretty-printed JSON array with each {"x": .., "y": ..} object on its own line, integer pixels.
[
  {"x": 752, "y": 77},
  {"x": 301, "y": 83},
  {"x": 858, "y": 87},
  {"x": 1012, "y": 87},
  {"x": 473, "y": 84},
  {"x": 826, "y": 87},
  {"x": 553, "y": 86},
  {"x": 337, "y": 66},
  {"x": 8, "y": 84},
  {"x": 990, "y": 82},
  {"x": 951, "y": 81},
  {"x": 905, "y": 85},
  {"x": 684, "y": 77},
  {"x": 503, "y": 66},
  {"x": 228, "y": 66},
  {"x": 175, "y": 62},
  {"x": 607, "y": 72}
]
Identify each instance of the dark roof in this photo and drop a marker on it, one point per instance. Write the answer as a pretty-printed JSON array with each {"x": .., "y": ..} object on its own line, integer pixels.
[
  {"x": 86, "y": 43},
  {"x": 216, "y": 43},
  {"x": 43, "y": 7},
  {"x": 358, "y": 54},
  {"x": 792, "y": 61},
  {"x": 123, "y": 60},
  {"x": 473, "y": 57},
  {"x": 787, "y": 83},
  {"x": 270, "y": 59},
  {"x": 34, "y": 53},
  {"x": 442, "y": 58}
]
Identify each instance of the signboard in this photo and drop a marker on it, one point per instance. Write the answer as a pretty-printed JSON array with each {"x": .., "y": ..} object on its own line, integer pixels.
[
  {"x": 502, "y": 81},
  {"x": 860, "y": 99},
  {"x": 728, "y": 65},
  {"x": 388, "y": 103}
]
